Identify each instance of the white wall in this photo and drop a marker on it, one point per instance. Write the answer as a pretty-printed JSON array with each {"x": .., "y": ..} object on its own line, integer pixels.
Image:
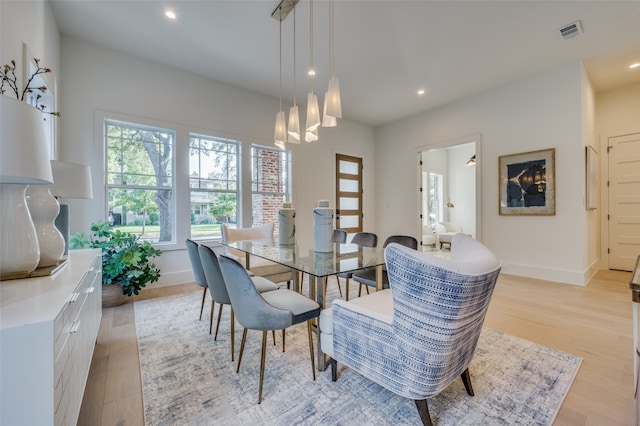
[
  {"x": 30, "y": 22},
  {"x": 100, "y": 79},
  {"x": 617, "y": 113},
  {"x": 462, "y": 188},
  {"x": 543, "y": 111}
]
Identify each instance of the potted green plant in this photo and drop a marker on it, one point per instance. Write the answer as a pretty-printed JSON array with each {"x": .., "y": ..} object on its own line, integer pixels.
[{"x": 126, "y": 260}]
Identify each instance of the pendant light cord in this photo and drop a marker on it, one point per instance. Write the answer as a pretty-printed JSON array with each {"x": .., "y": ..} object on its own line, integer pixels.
[
  {"x": 294, "y": 57},
  {"x": 281, "y": 61},
  {"x": 312, "y": 71},
  {"x": 331, "y": 36}
]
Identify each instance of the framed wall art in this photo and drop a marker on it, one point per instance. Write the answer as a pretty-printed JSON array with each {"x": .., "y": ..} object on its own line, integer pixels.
[
  {"x": 591, "y": 197},
  {"x": 527, "y": 183}
]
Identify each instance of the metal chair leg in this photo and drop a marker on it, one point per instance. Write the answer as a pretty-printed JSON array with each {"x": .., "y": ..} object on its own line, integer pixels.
[
  {"x": 244, "y": 338},
  {"x": 213, "y": 303},
  {"x": 262, "y": 359},
  {"x": 204, "y": 294},
  {"x": 215, "y": 336},
  {"x": 233, "y": 333}
]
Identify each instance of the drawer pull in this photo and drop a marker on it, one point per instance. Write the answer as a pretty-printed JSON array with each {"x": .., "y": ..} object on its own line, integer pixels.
[
  {"x": 74, "y": 327},
  {"x": 74, "y": 297},
  {"x": 90, "y": 289}
]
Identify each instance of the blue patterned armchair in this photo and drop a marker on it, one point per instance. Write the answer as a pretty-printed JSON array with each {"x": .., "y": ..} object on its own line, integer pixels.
[{"x": 415, "y": 338}]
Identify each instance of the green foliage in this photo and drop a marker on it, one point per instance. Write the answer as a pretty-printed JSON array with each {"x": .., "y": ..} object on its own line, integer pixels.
[{"x": 126, "y": 260}]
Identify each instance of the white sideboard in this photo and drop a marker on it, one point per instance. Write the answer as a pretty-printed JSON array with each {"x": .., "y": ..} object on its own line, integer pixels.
[{"x": 48, "y": 330}]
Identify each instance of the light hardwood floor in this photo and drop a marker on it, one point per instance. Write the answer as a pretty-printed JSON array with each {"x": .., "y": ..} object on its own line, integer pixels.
[{"x": 594, "y": 322}]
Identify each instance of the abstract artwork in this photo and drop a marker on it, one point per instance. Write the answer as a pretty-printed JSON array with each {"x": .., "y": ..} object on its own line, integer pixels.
[{"x": 527, "y": 183}]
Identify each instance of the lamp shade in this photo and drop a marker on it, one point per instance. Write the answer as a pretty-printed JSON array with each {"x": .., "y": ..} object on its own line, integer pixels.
[
  {"x": 313, "y": 114},
  {"x": 332, "y": 100},
  {"x": 294, "y": 125},
  {"x": 327, "y": 120},
  {"x": 24, "y": 154},
  {"x": 280, "y": 134},
  {"x": 71, "y": 180}
]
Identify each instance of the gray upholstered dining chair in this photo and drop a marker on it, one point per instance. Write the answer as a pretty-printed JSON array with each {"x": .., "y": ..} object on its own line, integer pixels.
[
  {"x": 274, "y": 310},
  {"x": 198, "y": 272},
  {"x": 367, "y": 277},
  {"x": 218, "y": 289},
  {"x": 362, "y": 239}
]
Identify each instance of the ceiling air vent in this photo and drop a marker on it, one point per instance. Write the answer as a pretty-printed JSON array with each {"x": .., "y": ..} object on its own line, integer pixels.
[{"x": 571, "y": 30}]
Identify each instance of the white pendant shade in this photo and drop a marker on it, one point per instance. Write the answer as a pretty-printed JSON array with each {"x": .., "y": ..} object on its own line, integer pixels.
[
  {"x": 311, "y": 136},
  {"x": 313, "y": 114},
  {"x": 332, "y": 101},
  {"x": 327, "y": 120},
  {"x": 281, "y": 129},
  {"x": 294, "y": 125}
]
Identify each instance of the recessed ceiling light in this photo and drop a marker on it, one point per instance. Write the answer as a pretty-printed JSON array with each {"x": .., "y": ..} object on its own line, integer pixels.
[
  {"x": 421, "y": 92},
  {"x": 170, "y": 14},
  {"x": 636, "y": 65}
]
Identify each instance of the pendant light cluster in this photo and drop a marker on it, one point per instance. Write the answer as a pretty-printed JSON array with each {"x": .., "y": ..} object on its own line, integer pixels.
[{"x": 332, "y": 105}]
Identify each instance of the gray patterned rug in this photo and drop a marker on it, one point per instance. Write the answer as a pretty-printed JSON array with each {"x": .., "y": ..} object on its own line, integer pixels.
[{"x": 188, "y": 379}]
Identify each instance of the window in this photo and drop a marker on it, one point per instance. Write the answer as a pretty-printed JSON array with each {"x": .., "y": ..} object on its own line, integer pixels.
[
  {"x": 140, "y": 179},
  {"x": 270, "y": 183},
  {"x": 213, "y": 183},
  {"x": 436, "y": 204}
]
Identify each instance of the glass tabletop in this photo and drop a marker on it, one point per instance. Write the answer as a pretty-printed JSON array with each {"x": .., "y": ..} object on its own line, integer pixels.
[{"x": 301, "y": 256}]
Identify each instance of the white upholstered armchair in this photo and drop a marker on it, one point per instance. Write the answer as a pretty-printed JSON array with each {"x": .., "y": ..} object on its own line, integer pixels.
[
  {"x": 418, "y": 336},
  {"x": 258, "y": 266},
  {"x": 446, "y": 231}
]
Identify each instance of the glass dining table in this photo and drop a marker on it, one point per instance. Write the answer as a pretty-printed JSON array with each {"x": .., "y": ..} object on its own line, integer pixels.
[{"x": 301, "y": 257}]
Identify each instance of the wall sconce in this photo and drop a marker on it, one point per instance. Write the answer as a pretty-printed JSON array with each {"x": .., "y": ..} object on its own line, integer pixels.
[{"x": 472, "y": 161}]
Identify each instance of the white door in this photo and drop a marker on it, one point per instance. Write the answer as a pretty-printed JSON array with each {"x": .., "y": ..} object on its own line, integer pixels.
[{"x": 624, "y": 201}]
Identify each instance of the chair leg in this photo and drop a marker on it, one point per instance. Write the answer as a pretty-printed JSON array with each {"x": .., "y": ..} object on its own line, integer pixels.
[
  {"x": 367, "y": 288},
  {"x": 313, "y": 361},
  {"x": 360, "y": 290},
  {"x": 215, "y": 336},
  {"x": 339, "y": 286},
  {"x": 244, "y": 339},
  {"x": 233, "y": 333},
  {"x": 334, "y": 369},
  {"x": 466, "y": 379},
  {"x": 283, "y": 340},
  {"x": 273, "y": 332},
  {"x": 423, "y": 411},
  {"x": 262, "y": 357},
  {"x": 204, "y": 294},
  {"x": 213, "y": 303}
]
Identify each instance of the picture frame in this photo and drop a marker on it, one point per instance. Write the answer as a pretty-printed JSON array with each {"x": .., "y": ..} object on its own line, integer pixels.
[
  {"x": 591, "y": 190},
  {"x": 527, "y": 183}
]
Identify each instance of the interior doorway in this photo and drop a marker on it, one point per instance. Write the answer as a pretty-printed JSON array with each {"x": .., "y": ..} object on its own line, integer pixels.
[
  {"x": 624, "y": 201},
  {"x": 449, "y": 188}
]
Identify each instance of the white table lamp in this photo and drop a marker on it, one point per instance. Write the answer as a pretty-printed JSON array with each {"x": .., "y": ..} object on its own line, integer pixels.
[
  {"x": 24, "y": 160},
  {"x": 70, "y": 180}
]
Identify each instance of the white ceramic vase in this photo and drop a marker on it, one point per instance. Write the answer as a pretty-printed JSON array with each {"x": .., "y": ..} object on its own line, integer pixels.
[
  {"x": 19, "y": 248},
  {"x": 44, "y": 208}
]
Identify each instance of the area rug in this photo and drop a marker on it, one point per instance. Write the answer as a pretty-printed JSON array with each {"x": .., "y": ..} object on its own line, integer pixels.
[{"x": 189, "y": 379}]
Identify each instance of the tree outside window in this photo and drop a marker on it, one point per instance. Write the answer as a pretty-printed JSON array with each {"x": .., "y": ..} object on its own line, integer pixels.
[
  {"x": 213, "y": 179},
  {"x": 140, "y": 179}
]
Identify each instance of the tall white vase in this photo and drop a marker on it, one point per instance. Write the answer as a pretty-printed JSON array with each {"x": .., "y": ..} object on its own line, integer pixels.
[
  {"x": 323, "y": 227},
  {"x": 19, "y": 250},
  {"x": 44, "y": 208}
]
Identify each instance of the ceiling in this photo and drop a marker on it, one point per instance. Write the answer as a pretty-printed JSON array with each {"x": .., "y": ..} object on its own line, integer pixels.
[{"x": 384, "y": 50}]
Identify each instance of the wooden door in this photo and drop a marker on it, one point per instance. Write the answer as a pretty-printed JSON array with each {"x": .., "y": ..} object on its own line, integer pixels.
[
  {"x": 624, "y": 201},
  {"x": 349, "y": 193}
]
